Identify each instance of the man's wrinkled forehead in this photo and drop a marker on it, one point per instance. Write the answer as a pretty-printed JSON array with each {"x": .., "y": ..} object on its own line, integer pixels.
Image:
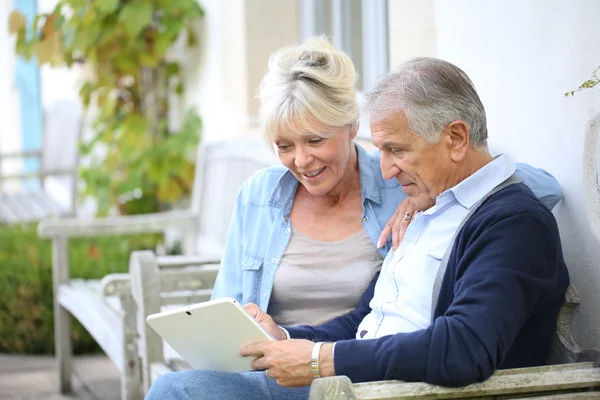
[{"x": 392, "y": 129}]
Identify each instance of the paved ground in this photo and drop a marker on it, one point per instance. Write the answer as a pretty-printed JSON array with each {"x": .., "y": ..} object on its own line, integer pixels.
[{"x": 34, "y": 378}]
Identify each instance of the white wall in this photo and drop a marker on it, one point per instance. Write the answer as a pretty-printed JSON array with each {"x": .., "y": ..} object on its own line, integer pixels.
[
  {"x": 411, "y": 30},
  {"x": 222, "y": 76},
  {"x": 522, "y": 57}
]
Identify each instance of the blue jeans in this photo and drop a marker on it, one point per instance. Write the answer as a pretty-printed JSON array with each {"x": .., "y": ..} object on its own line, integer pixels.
[{"x": 201, "y": 385}]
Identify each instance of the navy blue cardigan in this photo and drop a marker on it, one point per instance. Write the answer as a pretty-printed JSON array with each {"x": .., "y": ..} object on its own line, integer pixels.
[{"x": 497, "y": 308}]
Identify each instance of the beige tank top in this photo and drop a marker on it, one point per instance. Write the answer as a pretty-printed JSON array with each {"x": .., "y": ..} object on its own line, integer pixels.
[{"x": 318, "y": 281}]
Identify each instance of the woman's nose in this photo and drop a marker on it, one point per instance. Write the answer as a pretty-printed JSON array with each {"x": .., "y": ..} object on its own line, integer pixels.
[{"x": 303, "y": 157}]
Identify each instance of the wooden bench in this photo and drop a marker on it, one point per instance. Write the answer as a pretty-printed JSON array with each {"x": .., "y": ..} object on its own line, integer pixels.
[
  {"x": 568, "y": 371},
  {"x": 107, "y": 308},
  {"x": 567, "y": 376},
  {"x": 54, "y": 191}
]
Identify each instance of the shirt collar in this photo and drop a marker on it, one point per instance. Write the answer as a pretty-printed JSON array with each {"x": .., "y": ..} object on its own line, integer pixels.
[
  {"x": 472, "y": 189},
  {"x": 285, "y": 189}
]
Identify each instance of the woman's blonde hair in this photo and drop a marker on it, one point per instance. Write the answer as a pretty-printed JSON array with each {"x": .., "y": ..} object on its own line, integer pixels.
[{"x": 308, "y": 86}]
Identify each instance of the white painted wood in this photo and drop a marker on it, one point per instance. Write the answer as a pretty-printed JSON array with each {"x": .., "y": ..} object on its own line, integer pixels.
[
  {"x": 62, "y": 319},
  {"x": 159, "y": 369},
  {"x": 114, "y": 226},
  {"x": 131, "y": 388},
  {"x": 222, "y": 166},
  {"x": 58, "y": 157},
  {"x": 189, "y": 278},
  {"x": 515, "y": 382},
  {"x": 145, "y": 283},
  {"x": 184, "y": 261},
  {"x": 83, "y": 300},
  {"x": 182, "y": 298}
]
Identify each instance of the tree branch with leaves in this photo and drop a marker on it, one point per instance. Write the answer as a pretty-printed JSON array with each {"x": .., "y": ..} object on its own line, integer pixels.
[{"x": 124, "y": 43}]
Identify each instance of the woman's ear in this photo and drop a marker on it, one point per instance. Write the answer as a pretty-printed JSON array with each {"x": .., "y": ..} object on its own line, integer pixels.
[{"x": 354, "y": 130}]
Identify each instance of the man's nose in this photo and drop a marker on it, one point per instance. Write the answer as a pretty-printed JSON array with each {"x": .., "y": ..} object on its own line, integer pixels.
[{"x": 388, "y": 169}]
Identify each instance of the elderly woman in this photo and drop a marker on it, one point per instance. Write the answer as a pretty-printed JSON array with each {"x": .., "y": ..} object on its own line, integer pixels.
[{"x": 303, "y": 242}]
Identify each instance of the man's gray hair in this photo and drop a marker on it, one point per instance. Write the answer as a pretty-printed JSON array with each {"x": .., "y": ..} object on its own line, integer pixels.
[{"x": 432, "y": 93}]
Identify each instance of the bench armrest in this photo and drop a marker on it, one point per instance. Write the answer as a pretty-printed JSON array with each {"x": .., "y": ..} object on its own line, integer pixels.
[{"x": 126, "y": 225}]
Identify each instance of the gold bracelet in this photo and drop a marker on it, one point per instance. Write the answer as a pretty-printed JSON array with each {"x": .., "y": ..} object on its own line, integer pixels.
[{"x": 314, "y": 364}]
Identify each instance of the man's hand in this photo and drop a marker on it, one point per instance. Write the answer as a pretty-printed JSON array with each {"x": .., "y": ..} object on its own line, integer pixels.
[
  {"x": 266, "y": 321},
  {"x": 289, "y": 362},
  {"x": 398, "y": 223}
]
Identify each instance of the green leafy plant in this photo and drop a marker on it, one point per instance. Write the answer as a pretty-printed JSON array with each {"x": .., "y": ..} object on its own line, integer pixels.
[
  {"x": 26, "y": 310},
  {"x": 144, "y": 166},
  {"x": 589, "y": 84}
]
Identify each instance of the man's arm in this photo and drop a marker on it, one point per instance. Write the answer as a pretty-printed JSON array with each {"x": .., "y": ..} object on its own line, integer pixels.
[
  {"x": 502, "y": 280},
  {"x": 340, "y": 328},
  {"x": 543, "y": 185}
]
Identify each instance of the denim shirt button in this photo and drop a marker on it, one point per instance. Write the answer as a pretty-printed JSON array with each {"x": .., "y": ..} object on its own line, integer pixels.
[
  {"x": 365, "y": 219},
  {"x": 288, "y": 230},
  {"x": 274, "y": 261}
]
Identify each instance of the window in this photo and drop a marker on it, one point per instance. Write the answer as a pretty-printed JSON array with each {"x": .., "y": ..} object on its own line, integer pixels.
[{"x": 358, "y": 27}]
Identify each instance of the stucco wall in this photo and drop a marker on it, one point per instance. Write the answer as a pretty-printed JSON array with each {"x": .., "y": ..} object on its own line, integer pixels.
[
  {"x": 411, "y": 30},
  {"x": 522, "y": 57}
]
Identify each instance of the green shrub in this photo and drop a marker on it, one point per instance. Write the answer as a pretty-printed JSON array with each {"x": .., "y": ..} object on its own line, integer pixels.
[{"x": 26, "y": 311}]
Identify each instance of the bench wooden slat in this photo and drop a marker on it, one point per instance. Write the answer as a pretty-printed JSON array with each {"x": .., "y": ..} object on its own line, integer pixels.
[
  {"x": 48, "y": 204},
  {"x": 97, "y": 314},
  {"x": 533, "y": 382},
  {"x": 15, "y": 211},
  {"x": 23, "y": 207},
  {"x": 184, "y": 261},
  {"x": 566, "y": 396},
  {"x": 185, "y": 298},
  {"x": 192, "y": 278},
  {"x": 544, "y": 368}
]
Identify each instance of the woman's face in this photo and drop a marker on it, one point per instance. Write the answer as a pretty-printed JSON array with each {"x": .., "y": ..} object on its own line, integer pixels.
[{"x": 318, "y": 163}]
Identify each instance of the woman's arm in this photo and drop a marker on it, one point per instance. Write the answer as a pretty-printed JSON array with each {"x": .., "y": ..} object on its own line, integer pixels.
[
  {"x": 229, "y": 279},
  {"x": 543, "y": 185}
]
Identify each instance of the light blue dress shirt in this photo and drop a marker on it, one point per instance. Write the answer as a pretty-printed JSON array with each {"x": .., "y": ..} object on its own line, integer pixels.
[
  {"x": 260, "y": 227},
  {"x": 402, "y": 301}
]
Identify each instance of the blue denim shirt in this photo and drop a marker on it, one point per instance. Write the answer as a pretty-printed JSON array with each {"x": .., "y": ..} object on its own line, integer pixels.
[{"x": 260, "y": 228}]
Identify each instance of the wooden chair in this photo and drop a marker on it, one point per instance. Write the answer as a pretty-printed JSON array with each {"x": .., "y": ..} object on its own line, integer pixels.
[
  {"x": 107, "y": 309},
  {"x": 54, "y": 194},
  {"x": 568, "y": 376}
]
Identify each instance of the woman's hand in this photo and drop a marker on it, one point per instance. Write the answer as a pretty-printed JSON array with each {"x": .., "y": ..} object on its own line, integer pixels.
[
  {"x": 399, "y": 222},
  {"x": 266, "y": 321}
]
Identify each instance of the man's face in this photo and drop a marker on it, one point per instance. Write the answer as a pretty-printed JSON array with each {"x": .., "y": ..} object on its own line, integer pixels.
[{"x": 420, "y": 167}]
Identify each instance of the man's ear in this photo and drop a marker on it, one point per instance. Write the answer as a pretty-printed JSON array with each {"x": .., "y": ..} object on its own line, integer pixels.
[{"x": 456, "y": 138}]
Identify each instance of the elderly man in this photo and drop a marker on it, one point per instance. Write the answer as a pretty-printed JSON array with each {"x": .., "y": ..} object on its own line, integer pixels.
[{"x": 476, "y": 284}]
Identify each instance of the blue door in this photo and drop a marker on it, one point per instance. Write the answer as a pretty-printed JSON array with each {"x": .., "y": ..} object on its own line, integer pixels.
[{"x": 28, "y": 81}]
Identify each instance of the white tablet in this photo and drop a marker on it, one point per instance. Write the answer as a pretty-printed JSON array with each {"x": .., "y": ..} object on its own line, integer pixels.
[{"x": 210, "y": 335}]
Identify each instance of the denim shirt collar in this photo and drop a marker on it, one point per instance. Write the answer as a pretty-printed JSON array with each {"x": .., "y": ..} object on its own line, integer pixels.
[{"x": 285, "y": 189}]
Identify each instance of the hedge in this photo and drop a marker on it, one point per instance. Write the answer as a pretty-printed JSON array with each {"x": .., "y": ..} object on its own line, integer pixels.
[{"x": 26, "y": 313}]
